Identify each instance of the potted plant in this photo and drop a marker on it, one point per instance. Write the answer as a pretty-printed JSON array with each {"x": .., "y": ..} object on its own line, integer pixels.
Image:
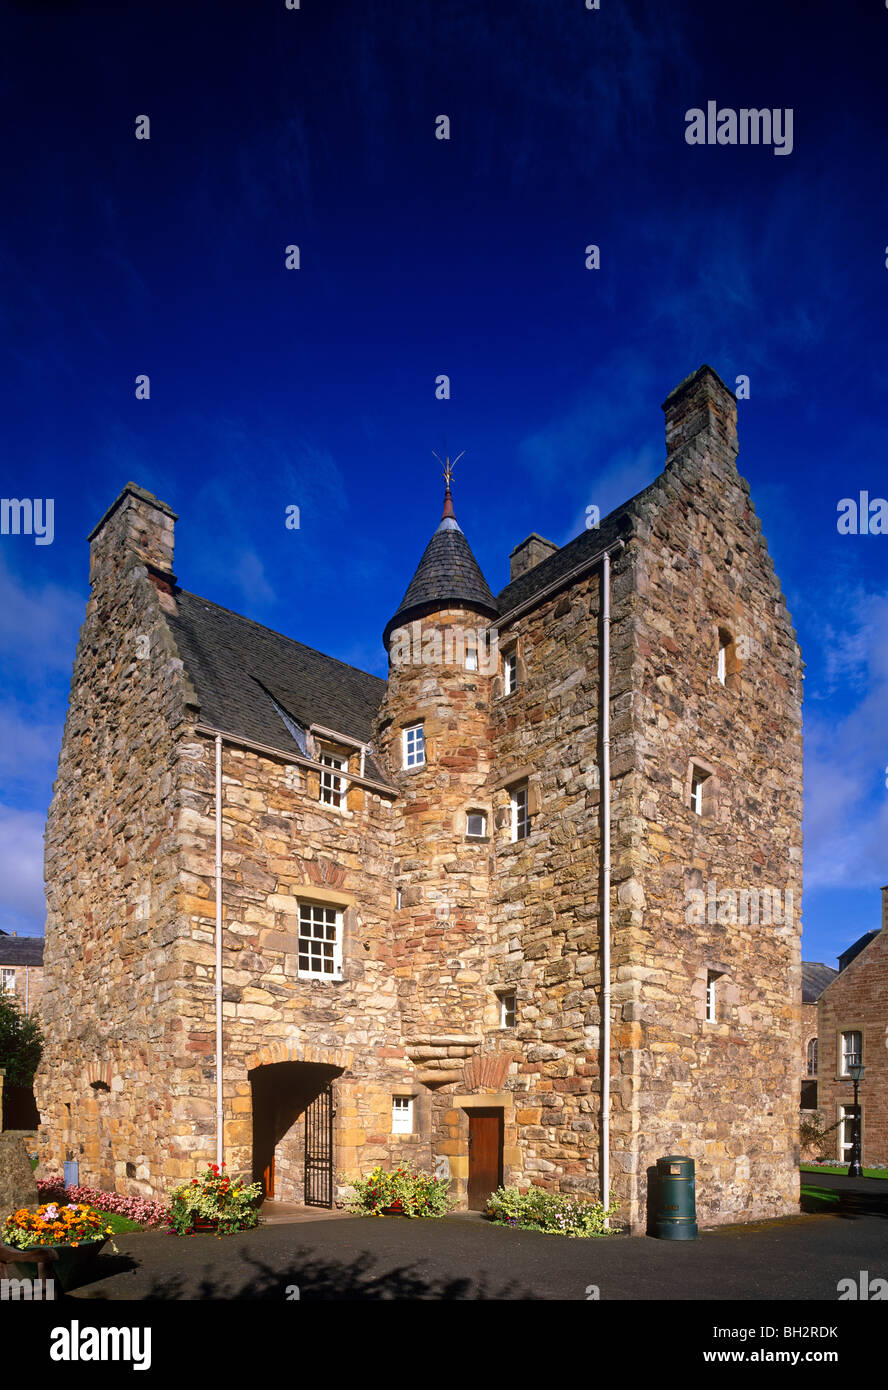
[
  {"x": 74, "y": 1232},
  {"x": 214, "y": 1202}
]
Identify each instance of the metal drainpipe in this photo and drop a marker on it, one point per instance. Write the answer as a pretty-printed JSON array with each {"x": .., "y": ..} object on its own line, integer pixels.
[
  {"x": 219, "y": 1112},
  {"x": 604, "y": 1061}
]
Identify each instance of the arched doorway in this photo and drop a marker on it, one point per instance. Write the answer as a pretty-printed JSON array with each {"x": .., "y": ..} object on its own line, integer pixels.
[{"x": 294, "y": 1105}]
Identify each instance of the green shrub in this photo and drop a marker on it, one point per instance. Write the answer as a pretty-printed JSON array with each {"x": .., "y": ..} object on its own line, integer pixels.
[
  {"x": 539, "y": 1210},
  {"x": 410, "y": 1193}
]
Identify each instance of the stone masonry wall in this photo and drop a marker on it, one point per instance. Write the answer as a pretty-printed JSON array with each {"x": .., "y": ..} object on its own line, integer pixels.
[
  {"x": 724, "y": 1092},
  {"x": 857, "y": 1000}
]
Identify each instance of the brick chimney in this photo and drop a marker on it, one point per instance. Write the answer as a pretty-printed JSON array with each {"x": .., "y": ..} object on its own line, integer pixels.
[
  {"x": 137, "y": 526},
  {"x": 530, "y": 553},
  {"x": 701, "y": 422}
]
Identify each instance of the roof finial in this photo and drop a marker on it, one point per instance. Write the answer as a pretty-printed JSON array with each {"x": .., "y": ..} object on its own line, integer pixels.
[{"x": 448, "y": 465}]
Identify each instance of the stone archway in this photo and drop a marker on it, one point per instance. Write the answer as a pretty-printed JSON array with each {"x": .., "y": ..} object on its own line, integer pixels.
[{"x": 293, "y": 1149}]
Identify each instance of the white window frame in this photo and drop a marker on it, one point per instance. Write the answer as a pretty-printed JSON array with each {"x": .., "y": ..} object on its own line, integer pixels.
[
  {"x": 7, "y": 980},
  {"x": 476, "y": 834},
  {"x": 413, "y": 746},
  {"x": 508, "y": 1009},
  {"x": 722, "y": 662},
  {"x": 510, "y": 673},
  {"x": 847, "y": 1053},
  {"x": 712, "y": 979},
  {"x": 811, "y": 1058},
  {"x": 309, "y": 916},
  {"x": 520, "y": 816},
  {"x": 402, "y": 1114},
  {"x": 699, "y": 778},
  {"x": 846, "y": 1117},
  {"x": 332, "y": 788}
]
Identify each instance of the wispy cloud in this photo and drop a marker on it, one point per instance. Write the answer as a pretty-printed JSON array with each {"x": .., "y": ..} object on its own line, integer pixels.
[{"x": 21, "y": 866}]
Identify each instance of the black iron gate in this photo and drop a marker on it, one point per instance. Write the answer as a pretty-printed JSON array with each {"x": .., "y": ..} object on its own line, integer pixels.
[{"x": 319, "y": 1150}]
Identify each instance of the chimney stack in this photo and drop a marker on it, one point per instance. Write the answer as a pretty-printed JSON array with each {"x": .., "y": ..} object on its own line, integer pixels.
[
  {"x": 530, "y": 553},
  {"x": 136, "y": 525},
  {"x": 701, "y": 422}
]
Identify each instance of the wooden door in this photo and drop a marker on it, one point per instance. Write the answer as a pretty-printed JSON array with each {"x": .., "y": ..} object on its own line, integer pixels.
[
  {"x": 268, "y": 1178},
  {"x": 485, "y": 1156}
]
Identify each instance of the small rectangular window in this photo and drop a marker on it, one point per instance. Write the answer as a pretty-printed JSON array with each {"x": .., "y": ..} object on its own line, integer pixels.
[
  {"x": 399, "y": 899},
  {"x": 332, "y": 792},
  {"x": 402, "y": 1114},
  {"x": 520, "y": 818},
  {"x": 476, "y": 825},
  {"x": 320, "y": 941},
  {"x": 414, "y": 746},
  {"x": 711, "y": 997},
  {"x": 7, "y": 981},
  {"x": 852, "y": 1051},
  {"x": 698, "y": 780},
  {"x": 510, "y": 673},
  {"x": 508, "y": 1009}
]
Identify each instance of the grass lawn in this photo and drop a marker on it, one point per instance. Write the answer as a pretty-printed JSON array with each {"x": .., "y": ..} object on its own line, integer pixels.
[
  {"x": 842, "y": 1171},
  {"x": 120, "y": 1225}
]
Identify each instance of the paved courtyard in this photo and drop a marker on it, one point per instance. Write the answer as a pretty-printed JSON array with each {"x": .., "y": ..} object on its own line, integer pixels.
[{"x": 468, "y": 1258}]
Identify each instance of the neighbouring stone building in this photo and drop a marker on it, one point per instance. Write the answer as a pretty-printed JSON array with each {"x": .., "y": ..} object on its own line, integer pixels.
[
  {"x": 853, "y": 1026},
  {"x": 815, "y": 978},
  {"x": 21, "y": 968},
  {"x": 411, "y": 882}
]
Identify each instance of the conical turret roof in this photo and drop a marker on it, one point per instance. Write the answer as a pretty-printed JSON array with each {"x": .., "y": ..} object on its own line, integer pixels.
[{"x": 447, "y": 576}]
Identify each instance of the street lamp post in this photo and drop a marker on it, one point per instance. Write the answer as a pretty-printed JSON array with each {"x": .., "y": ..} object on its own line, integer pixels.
[{"x": 855, "y": 1071}]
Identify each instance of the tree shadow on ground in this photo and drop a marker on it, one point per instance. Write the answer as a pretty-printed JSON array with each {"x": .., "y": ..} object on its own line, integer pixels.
[
  {"x": 310, "y": 1279},
  {"x": 834, "y": 1201}
]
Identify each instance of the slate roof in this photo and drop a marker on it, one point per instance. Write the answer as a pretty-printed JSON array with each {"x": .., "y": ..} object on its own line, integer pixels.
[
  {"x": 855, "y": 948},
  {"x": 815, "y": 978},
  {"x": 448, "y": 573},
  {"x": 610, "y": 528},
  {"x": 239, "y": 667},
  {"x": 21, "y": 950}
]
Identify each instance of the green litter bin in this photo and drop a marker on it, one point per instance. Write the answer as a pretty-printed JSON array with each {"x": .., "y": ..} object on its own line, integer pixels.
[{"x": 676, "y": 1199}]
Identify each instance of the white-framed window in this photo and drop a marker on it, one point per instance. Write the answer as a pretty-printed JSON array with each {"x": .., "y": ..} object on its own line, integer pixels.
[
  {"x": 332, "y": 786},
  {"x": 476, "y": 825},
  {"x": 852, "y": 1051},
  {"x": 471, "y": 659},
  {"x": 712, "y": 978},
  {"x": 847, "y": 1116},
  {"x": 414, "y": 746},
  {"x": 811, "y": 1057},
  {"x": 510, "y": 673},
  {"x": 399, "y": 899},
  {"x": 699, "y": 778},
  {"x": 520, "y": 818},
  {"x": 7, "y": 981},
  {"x": 508, "y": 1009},
  {"x": 402, "y": 1114},
  {"x": 320, "y": 941}
]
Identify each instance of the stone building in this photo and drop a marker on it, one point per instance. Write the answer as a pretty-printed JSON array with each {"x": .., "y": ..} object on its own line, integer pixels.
[
  {"x": 853, "y": 1025},
  {"x": 319, "y": 921},
  {"x": 815, "y": 978},
  {"x": 21, "y": 968}
]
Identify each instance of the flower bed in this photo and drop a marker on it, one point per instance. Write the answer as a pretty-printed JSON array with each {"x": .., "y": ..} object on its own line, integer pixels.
[
  {"x": 552, "y": 1212},
  {"x": 214, "y": 1202},
  {"x": 140, "y": 1209},
  {"x": 403, "y": 1192}
]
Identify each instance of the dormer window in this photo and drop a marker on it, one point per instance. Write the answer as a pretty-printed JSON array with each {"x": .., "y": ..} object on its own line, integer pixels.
[
  {"x": 332, "y": 786},
  {"x": 414, "y": 746}
]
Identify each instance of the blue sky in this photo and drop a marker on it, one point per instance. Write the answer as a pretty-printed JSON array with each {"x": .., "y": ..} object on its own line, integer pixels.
[{"x": 419, "y": 256}]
